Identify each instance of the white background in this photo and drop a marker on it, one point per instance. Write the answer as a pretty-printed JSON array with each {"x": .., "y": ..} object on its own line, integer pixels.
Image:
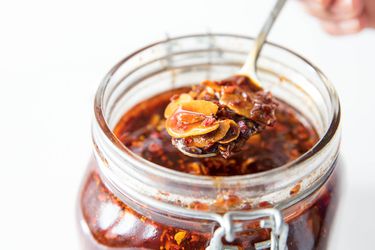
[{"x": 53, "y": 55}]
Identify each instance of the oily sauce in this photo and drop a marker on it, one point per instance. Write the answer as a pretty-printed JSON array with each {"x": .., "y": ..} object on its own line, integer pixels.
[
  {"x": 142, "y": 130},
  {"x": 112, "y": 224}
]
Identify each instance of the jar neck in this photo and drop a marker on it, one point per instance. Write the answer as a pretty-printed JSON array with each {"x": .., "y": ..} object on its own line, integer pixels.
[
  {"x": 135, "y": 179},
  {"x": 179, "y": 193}
]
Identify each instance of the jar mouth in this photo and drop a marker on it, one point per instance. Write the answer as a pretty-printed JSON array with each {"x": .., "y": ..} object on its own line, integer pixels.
[{"x": 284, "y": 171}]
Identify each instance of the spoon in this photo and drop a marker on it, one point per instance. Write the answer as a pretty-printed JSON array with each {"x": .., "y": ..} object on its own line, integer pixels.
[
  {"x": 248, "y": 70},
  {"x": 250, "y": 66}
]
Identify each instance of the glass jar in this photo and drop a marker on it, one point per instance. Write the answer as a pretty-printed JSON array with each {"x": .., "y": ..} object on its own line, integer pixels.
[{"x": 127, "y": 202}]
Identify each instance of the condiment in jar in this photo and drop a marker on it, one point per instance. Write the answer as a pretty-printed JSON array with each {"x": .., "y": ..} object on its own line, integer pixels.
[{"x": 280, "y": 189}]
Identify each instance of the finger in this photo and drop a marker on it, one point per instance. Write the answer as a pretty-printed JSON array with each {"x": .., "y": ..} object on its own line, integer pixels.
[
  {"x": 345, "y": 27},
  {"x": 337, "y": 10},
  {"x": 370, "y": 13},
  {"x": 348, "y": 7},
  {"x": 325, "y": 3},
  {"x": 319, "y": 4},
  {"x": 317, "y": 8}
]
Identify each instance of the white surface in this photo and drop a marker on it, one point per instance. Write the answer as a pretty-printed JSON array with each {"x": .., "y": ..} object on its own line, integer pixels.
[{"x": 53, "y": 55}]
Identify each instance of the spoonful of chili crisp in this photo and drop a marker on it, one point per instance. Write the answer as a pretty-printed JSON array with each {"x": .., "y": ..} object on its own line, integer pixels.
[{"x": 216, "y": 118}]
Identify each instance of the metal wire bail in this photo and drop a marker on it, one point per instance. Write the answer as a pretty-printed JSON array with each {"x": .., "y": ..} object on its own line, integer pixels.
[{"x": 270, "y": 218}]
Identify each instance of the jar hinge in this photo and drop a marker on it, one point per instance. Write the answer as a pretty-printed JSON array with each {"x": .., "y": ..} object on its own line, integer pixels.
[{"x": 270, "y": 218}]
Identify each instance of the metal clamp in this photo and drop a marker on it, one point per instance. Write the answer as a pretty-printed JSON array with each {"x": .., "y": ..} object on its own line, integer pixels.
[{"x": 270, "y": 218}]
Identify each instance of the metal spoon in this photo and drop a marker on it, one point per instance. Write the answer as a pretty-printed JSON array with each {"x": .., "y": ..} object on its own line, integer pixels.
[
  {"x": 250, "y": 66},
  {"x": 248, "y": 70}
]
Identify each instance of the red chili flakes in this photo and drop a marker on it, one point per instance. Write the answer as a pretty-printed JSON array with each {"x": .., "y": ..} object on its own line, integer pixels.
[
  {"x": 295, "y": 190},
  {"x": 246, "y": 206},
  {"x": 164, "y": 236},
  {"x": 143, "y": 219},
  {"x": 194, "y": 238},
  {"x": 154, "y": 147},
  {"x": 208, "y": 121},
  {"x": 188, "y": 140},
  {"x": 196, "y": 205},
  {"x": 233, "y": 200},
  {"x": 229, "y": 89},
  {"x": 155, "y": 135},
  {"x": 194, "y": 168},
  {"x": 264, "y": 204},
  {"x": 225, "y": 202},
  {"x": 174, "y": 97}
]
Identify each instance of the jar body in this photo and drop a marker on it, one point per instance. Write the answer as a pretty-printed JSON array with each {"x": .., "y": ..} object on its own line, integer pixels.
[
  {"x": 106, "y": 222},
  {"x": 123, "y": 202}
]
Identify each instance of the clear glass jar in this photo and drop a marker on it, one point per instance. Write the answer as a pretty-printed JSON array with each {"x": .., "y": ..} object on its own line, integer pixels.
[{"x": 127, "y": 202}]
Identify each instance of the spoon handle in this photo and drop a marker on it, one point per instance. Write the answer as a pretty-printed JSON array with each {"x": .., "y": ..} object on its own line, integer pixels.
[{"x": 250, "y": 65}]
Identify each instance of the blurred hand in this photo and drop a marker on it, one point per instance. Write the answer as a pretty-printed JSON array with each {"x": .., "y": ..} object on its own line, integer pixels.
[{"x": 341, "y": 17}]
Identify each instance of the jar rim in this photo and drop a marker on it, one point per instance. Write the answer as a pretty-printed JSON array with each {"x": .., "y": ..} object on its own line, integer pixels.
[{"x": 255, "y": 178}]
